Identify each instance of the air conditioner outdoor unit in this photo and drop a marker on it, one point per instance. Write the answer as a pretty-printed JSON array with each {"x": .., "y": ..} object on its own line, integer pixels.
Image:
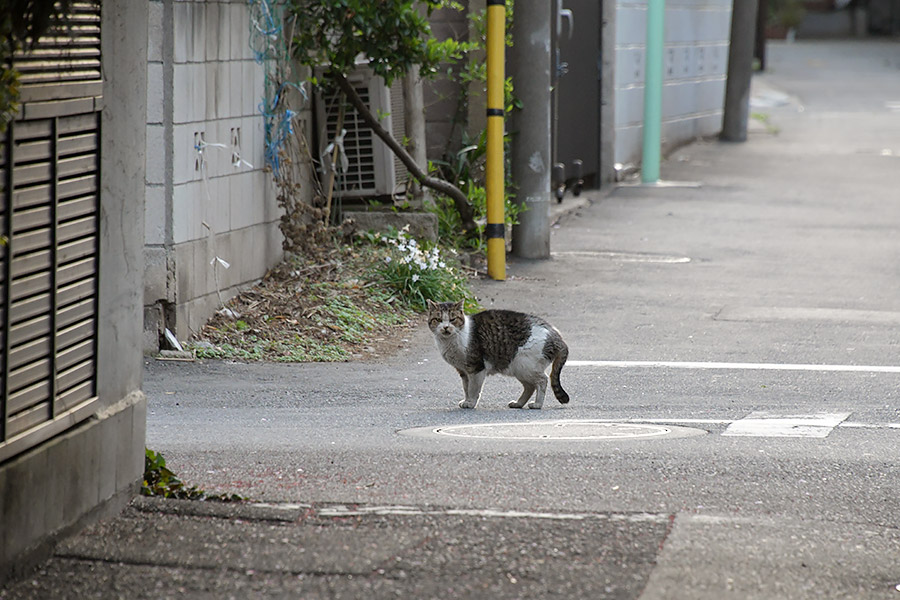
[{"x": 373, "y": 170}]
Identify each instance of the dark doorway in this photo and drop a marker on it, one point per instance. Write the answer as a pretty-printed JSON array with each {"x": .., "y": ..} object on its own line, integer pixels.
[{"x": 576, "y": 75}]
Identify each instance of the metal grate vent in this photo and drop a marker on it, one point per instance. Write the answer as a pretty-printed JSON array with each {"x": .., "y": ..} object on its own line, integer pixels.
[
  {"x": 373, "y": 170},
  {"x": 359, "y": 142}
]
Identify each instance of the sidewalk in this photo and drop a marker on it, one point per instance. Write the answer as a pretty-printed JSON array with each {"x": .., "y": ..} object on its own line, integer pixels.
[{"x": 617, "y": 289}]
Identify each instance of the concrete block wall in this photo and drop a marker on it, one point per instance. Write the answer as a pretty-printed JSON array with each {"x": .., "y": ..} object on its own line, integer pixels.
[
  {"x": 695, "y": 64},
  {"x": 207, "y": 193}
]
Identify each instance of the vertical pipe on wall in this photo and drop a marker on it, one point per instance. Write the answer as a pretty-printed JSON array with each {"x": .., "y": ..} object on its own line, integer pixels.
[
  {"x": 494, "y": 184},
  {"x": 653, "y": 81}
]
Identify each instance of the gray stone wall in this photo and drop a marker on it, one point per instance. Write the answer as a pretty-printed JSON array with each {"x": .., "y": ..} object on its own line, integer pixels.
[{"x": 208, "y": 195}]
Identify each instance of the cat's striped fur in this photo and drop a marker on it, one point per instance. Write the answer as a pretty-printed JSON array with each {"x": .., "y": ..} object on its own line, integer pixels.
[{"x": 499, "y": 341}]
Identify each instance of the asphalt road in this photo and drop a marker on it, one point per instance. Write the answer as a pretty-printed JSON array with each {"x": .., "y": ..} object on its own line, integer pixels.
[
  {"x": 758, "y": 313},
  {"x": 759, "y": 310}
]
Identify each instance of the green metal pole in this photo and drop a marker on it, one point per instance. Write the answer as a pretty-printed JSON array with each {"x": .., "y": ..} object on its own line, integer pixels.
[{"x": 653, "y": 81}]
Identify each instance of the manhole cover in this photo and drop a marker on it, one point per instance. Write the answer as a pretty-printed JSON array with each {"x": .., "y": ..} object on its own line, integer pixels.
[{"x": 556, "y": 430}]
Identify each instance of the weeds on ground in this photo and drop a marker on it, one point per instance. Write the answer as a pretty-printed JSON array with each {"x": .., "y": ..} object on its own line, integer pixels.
[
  {"x": 766, "y": 121},
  {"x": 161, "y": 482},
  {"x": 418, "y": 272},
  {"x": 353, "y": 300}
]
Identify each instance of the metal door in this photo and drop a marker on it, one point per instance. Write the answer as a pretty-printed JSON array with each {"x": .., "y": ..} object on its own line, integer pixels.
[{"x": 576, "y": 92}]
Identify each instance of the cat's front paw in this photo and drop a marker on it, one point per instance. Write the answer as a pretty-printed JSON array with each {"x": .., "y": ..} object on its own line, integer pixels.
[
  {"x": 515, "y": 404},
  {"x": 467, "y": 404}
]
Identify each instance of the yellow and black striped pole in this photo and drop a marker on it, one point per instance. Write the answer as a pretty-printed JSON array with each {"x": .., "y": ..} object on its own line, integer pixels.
[{"x": 496, "y": 48}]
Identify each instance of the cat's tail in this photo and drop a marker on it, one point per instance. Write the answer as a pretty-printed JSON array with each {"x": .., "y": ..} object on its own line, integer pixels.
[{"x": 558, "y": 361}]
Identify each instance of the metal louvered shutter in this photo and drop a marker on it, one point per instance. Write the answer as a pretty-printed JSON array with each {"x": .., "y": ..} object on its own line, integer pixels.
[{"x": 50, "y": 166}]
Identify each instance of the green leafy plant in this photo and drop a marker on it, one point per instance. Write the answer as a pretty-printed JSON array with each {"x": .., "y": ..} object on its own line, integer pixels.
[
  {"x": 395, "y": 37},
  {"x": 466, "y": 167},
  {"x": 786, "y": 13},
  {"x": 419, "y": 272},
  {"x": 162, "y": 482}
]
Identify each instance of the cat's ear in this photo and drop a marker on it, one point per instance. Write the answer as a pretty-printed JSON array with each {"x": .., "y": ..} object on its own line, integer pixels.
[
  {"x": 458, "y": 305},
  {"x": 431, "y": 304}
]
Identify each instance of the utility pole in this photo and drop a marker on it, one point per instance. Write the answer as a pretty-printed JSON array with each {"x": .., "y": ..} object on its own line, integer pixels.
[
  {"x": 529, "y": 61},
  {"x": 495, "y": 181},
  {"x": 740, "y": 70}
]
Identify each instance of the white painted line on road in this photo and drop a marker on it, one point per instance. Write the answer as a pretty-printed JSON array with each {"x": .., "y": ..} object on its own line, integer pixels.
[
  {"x": 626, "y": 256},
  {"x": 282, "y": 505},
  {"x": 662, "y": 364},
  {"x": 680, "y": 421},
  {"x": 762, "y": 424},
  {"x": 357, "y": 511},
  {"x": 855, "y": 425}
]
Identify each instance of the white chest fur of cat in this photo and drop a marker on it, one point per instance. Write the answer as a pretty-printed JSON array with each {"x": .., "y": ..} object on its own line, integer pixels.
[{"x": 499, "y": 342}]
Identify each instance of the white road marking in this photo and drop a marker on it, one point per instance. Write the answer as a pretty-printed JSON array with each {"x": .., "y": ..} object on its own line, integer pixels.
[
  {"x": 763, "y": 424},
  {"x": 662, "y": 364},
  {"x": 681, "y": 421},
  {"x": 678, "y": 421},
  {"x": 346, "y": 511},
  {"x": 855, "y": 425},
  {"x": 800, "y": 313},
  {"x": 627, "y": 256}
]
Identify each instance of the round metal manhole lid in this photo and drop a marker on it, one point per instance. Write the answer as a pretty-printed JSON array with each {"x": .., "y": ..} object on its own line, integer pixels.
[{"x": 557, "y": 430}]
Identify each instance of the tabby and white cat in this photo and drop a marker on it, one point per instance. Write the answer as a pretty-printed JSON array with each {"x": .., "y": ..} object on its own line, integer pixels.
[{"x": 499, "y": 341}]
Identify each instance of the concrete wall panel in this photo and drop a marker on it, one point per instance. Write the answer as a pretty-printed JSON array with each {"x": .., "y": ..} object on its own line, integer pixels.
[
  {"x": 216, "y": 89},
  {"x": 695, "y": 62}
]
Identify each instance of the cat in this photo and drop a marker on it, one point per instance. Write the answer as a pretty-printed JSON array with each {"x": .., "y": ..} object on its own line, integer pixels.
[{"x": 499, "y": 341}]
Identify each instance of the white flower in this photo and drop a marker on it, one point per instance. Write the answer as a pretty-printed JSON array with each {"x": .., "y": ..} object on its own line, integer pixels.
[
  {"x": 415, "y": 278},
  {"x": 387, "y": 259}
]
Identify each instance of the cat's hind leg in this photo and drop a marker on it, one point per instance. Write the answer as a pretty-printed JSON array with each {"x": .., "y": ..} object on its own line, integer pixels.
[
  {"x": 541, "y": 384},
  {"x": 527, "y": 391},
  {"x": 474, "y": 383}
]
